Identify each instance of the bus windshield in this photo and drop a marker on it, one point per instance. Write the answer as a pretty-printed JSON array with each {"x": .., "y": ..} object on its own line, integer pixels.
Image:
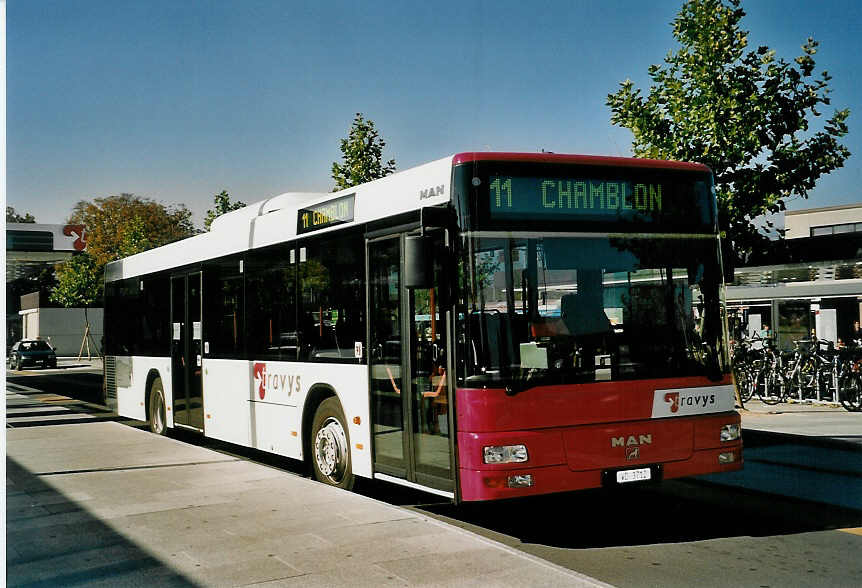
[{"x": 558, "y": 310}]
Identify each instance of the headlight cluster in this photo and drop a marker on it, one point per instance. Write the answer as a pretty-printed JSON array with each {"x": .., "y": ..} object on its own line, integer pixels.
[
  {"x": 505, "y": 454},
  {"x": 730, "y": 433}
]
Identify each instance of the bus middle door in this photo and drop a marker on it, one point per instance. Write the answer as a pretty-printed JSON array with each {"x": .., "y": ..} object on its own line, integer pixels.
[{"x": 186, "y": 352}]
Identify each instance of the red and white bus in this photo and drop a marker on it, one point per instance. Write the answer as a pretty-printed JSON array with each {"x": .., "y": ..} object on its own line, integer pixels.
[{"x": 489, "y": 325}]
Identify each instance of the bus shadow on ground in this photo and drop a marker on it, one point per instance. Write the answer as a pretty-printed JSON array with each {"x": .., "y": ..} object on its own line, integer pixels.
[
  {"x": 670, "y": 512},
  {"x": 679, "y": 512},
  {"x": 85, "y": 386},
  {"x": 51, "y": 540}
]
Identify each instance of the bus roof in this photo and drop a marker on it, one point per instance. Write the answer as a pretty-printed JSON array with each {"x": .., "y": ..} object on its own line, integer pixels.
[
  {"x": 274, "y": 220},
  {"x": 597, "y": 160}
]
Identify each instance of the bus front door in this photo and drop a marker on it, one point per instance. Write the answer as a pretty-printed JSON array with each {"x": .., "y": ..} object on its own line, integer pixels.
[
  {"x": 186, "y": 352},
  {"x": 408, "y": 369}
]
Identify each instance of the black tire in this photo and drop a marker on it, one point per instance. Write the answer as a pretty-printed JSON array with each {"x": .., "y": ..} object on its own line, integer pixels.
[
  {"x": 156, "y": 410},
  {"x": 18, "y": 363},
  {"x": 330, "y": 446},
  {"x": 851, "y": 392}
]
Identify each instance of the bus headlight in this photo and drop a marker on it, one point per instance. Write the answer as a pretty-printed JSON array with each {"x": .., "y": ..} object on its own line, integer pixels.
[
  {"x": 729, "y": 433},
  {"x": 506, "y": 454}
]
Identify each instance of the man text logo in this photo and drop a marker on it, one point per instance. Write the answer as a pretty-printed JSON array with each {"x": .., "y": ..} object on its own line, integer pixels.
[
  {"x": 631, "y": 441},
  {"x": 432, "y": 192}
]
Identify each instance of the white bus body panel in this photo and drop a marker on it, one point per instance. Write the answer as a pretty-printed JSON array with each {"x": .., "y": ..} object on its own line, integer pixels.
[
  {"x": 235, "y": 412},
  {"x": 131, "y": 399},
  {"x": 226, "y": 405},
  {"x": 276, "y": 392}
]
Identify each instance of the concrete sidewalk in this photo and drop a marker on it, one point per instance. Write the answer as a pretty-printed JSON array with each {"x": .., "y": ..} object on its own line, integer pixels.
[
  {"x": 105, "y": 504},
  {"x": 807, "y": 420}
]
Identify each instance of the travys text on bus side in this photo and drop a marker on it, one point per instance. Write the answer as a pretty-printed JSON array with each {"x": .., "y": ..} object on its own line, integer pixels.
[{"x": 545, "y": 197}]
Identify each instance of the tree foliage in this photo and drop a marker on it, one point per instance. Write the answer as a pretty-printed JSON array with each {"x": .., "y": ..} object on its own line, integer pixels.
[
  {"x": 362, "y": 156},
  {"x": 747, "y": 114},
  {"x": 79, "y": 282},
  {"x": 13, "y": 217},
  {"x": 124, "y": 224},
  {"x": 222, "y": 206}
]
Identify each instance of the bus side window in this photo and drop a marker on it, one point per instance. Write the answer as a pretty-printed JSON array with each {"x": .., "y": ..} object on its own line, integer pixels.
[
  {"x": 332, "y": 298},
  {"x": 271, "y": 304}
]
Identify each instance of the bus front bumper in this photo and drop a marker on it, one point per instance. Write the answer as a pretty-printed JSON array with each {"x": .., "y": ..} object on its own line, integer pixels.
[{"x": 574, "y": 458}]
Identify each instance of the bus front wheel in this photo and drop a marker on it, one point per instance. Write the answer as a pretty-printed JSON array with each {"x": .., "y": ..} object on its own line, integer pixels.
[
  {"x": 330, "y": 446},
  {"x": 156, "y": 410}
]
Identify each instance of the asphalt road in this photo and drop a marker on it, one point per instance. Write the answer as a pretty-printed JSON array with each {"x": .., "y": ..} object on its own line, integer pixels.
[{"x": 679, "y": 533}]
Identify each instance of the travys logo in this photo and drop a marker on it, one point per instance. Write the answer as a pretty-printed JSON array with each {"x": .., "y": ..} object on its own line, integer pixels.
[
  {"x": 260, "y": 379},
  {"x": 691, "y": 401},
  {"x": 270, "y": 381},
  {"x": 703, "y": 400}
]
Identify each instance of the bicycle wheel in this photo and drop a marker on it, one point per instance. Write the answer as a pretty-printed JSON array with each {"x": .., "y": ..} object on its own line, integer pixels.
[
  {"x": 774, "y": 388},
  {"x": 745, "y": 385},
  {"x": 851, "y": 392}
]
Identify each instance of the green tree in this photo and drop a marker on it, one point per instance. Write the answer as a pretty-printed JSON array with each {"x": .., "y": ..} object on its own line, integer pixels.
[
  {"x": 362, "y": 156},
  {"x": 747, "y": 114},
  {"x": 222, "y": 206},
  {"x": 117, "y": 226},
  {"x": 14, "y": 217},
  {"x": 124, "y": 224},
  {"x": 79, "y": 282},
  {"x": 134, "y": 238},
  {"x": 79, "y": 285}
]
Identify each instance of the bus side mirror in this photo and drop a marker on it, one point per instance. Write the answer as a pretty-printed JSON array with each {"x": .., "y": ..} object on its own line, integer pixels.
[{"x": 418, "y": 261}]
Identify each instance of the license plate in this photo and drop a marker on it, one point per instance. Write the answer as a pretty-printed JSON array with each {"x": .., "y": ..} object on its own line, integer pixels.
[{"x": 633, "y": 475}]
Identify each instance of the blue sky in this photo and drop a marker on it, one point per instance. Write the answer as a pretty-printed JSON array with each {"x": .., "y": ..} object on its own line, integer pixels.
[{"x": 177, "y": 101}]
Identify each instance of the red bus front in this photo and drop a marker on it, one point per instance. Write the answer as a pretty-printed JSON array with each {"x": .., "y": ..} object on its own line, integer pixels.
[{"x": 589, "y": 333}]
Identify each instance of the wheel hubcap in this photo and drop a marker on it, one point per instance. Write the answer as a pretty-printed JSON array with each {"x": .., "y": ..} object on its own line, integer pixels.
[{"x": 330, "y": 449}]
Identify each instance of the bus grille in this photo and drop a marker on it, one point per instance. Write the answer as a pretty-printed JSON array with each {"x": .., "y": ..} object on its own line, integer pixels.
[{"x": 110, "y": 377}]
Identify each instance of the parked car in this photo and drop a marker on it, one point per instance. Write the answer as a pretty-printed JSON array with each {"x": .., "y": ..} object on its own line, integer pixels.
[{"x": 32, "y": 352}]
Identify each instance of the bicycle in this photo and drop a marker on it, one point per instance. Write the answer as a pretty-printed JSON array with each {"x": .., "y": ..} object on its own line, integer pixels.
[{"x": 849, "y": 376}]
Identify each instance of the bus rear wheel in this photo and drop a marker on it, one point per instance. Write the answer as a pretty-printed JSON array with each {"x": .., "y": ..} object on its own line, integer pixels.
[
  {"x": 330, "y": 446},
  {"x": 156, "y": 410}
]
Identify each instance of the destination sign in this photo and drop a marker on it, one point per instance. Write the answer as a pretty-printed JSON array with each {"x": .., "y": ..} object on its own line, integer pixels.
[
  {"x": 597, "y": 199},
  {"x": 326, "y": 214}
]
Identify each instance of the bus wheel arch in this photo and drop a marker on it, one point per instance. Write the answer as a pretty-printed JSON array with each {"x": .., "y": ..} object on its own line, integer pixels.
[
  {"x": 155, "y": 385},
  {"x": 326, "y": 439}
]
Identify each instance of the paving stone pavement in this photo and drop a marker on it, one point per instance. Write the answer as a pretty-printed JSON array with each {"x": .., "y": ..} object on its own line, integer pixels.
[{"x": 104, "y": 504}]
